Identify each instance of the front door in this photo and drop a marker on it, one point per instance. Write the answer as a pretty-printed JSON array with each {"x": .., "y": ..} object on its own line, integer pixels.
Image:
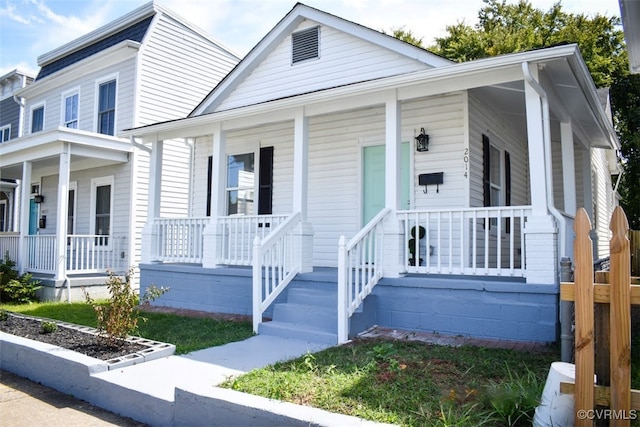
[
  {"x": 33, "y": 217},
  {"x": 373, "y": 180}
]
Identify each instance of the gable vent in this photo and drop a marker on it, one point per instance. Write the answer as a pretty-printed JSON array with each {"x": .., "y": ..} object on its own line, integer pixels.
[{"x": 305, "y": 45}]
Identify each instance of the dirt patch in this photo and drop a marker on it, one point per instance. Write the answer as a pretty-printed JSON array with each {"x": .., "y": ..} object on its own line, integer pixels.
[{"x": 194, "y": 313}]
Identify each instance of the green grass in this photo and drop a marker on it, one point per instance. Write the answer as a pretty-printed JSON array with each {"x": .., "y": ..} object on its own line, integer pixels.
[
  {"x": 410, "y": 383},
  {"x": 186, "y": 333}
]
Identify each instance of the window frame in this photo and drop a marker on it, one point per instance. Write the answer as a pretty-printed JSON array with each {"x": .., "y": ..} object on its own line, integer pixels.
[
  {"x": 63, "y": 110},
  {"x": 5, "y": 130},
  {"x": 34, "y": 108},
  {"x": 252, "y": 188},
  {"x": 95, "y": 183},
  {"x": 73, "y": 186},
  {"x": 99, "y": 83},
  {"x": 4, "y": 215}
]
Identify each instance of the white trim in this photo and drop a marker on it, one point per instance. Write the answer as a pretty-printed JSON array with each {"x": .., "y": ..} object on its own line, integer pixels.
[
  {"x": 35, "y": 106},
  {"x": 98, "y": 182},
  {"x": 2, "y": 129},
  {"x": 98, "y": 82},
  {"x": 63, "y": 108}
]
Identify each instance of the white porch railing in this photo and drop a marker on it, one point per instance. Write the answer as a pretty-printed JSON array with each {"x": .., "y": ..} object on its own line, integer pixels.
[
  {"x": 238, "y": 233},
  {"x": 359, "y": 269},
  {"x": 96, "y": 254},
  {"x": 179, "y": 239},
  {"x": 9, "y": 244},
  {"x": 274, "y": 265},
  {"x": 474, "y": 241},
  {"x": 41, "y": 252}
]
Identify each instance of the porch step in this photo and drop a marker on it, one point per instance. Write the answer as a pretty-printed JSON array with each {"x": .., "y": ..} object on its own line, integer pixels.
[
  {"x": 325, "y": 318},
  {"x": 297, "y": 331},
  {"x": 310, "y": 311}
]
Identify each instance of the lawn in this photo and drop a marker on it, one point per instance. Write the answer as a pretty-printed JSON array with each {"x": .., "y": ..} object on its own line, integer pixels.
[
  {"x": 186, "y": 333},
  {"x": 410, "y": 383}
]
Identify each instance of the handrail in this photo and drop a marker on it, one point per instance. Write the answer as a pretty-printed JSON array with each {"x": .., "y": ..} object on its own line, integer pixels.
[
  {"x": 364, "y": 255},
  {"x": 273, "y": 264}
]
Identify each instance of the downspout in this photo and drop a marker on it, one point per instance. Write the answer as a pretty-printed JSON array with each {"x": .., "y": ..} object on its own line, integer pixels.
[{"x": 566, "y": 309}]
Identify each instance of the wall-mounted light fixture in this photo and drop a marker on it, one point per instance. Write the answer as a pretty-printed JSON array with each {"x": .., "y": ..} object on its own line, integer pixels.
[
  {"x": 38, "y": 198},
  {"x": 422, "y": 141}
]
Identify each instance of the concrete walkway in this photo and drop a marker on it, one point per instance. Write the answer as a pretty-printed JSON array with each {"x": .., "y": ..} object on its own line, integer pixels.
[{"x": 170, "y": 391}]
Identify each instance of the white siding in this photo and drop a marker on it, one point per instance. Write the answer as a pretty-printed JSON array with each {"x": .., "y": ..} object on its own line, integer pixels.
[
  {"x": 602, "y": 200},
  {"x": 343, "y": 59},
  {"x": 484, "y": 120},
  {"x": 178, "y": 68},
  {"x": 123, "y": 72}
]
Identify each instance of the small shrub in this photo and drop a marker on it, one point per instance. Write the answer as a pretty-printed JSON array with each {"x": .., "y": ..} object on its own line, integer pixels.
[
  {"x": 16, "y": 288},
  {"x": 4, "y": 315},
  {"x": 119, "y": 318},
  {"x": 48, "y": 327}
]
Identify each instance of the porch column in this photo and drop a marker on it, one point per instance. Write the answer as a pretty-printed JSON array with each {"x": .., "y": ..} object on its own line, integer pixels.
[
  {"x": 25, "y": 209},
  {"x": 540, "y": 229},
  {"x": 15, "y": 218},
  {"x": 63, "y": 209},
  {"x": 212, "y": 233},
  {"x": 150, "y": 231},
  {"x": 304, "y": 232},
  {"x": 393, "y": 235},
  {"x": 568, "y": 180}
]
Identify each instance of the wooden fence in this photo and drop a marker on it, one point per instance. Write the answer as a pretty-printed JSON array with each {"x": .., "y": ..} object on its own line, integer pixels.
[{"x": 619, "y": 294}]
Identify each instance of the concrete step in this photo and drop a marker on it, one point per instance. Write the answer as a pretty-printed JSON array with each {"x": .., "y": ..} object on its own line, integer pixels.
[
  {"x": 313, "y": 296},
  {"x": 322, "y": 317},
  {"x": 297, "y": 331}
]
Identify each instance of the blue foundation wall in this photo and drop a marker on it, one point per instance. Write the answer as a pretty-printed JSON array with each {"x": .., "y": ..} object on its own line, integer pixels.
[
  {"x": 480, "y": 308},
  {"x": 486, "y": 307}
]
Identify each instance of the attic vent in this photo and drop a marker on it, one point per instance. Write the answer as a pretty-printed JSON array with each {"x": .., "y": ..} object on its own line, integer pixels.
[{"x": 305, "y": 45}]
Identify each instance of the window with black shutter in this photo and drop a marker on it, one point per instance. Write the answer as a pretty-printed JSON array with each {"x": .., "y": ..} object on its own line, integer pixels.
[{"x": 265, "y": 184}]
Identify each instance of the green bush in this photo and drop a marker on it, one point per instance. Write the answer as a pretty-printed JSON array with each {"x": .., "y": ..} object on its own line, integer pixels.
[
  {"x": 48, "y": 327},
  {"x": 16, "y": 288},
  {"x": 119, "y": 317}
]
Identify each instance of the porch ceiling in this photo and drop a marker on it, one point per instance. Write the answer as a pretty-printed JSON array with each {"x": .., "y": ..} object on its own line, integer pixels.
[{"x": 43, "y": 149}]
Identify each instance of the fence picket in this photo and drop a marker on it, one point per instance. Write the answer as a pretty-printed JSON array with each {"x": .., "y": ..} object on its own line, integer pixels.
[
  {"x": 620, "y": 309},
  {"x": 584, "y": 342}
]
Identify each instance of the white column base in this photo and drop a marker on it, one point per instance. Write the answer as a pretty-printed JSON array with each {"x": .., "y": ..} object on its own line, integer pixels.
[
  {"x": 393, "y": 251},
  {"x": 148, "y": 248},
  {"x": 541, "y": 241},
  {"x": 211, "y": 236},
  {"x": 303, "y": 246}
]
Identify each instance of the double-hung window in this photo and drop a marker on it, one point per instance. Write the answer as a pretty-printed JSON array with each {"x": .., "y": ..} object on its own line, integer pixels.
[
  {"x": 71, "y": 111},
  {"x": 107, "y": 107},
  {"x": 5, "y": 133},
  {"x": 240, "y": 184},
  {"x": 37, "y": 119},
  {"x": 497, "y": 192},
  {"x": 102, "y": 208}
]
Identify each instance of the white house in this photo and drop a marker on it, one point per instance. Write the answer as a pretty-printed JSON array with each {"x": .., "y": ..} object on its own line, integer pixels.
[
  {"x": 83, "y": 189},
  {"x": 335, "y": 158}
]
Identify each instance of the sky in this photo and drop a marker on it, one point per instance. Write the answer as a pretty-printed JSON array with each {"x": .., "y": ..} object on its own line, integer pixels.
[{"x": 30, "y": 28}]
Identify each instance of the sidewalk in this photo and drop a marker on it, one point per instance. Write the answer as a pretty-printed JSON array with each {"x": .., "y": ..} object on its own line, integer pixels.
[{"x": 24, "y": 403}]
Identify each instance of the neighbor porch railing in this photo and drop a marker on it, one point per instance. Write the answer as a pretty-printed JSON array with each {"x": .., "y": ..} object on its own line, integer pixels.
[
  {"x": 238, "y": 233},
  {"x": 179, "y": 239},
  {"x": 9, "y": 244},
  {"x": 96, "y": 254},
  {"x": 359, "y": 269},
  {"x": 274, "y": 265},
  {"x": 84, "y": 254},
  {"x": 473, "y": 241}
]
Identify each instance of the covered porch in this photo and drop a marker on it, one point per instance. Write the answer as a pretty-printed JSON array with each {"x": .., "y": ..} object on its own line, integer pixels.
[{"x": 63, "y": 224}]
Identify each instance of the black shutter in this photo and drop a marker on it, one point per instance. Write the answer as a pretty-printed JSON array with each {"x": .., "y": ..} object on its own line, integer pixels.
[
  {"x": 265, "y": 185},
  {"x": 486, "y": 171},
  {"x": 209, "y": 176},
  {"x": 507, "y": 186}
]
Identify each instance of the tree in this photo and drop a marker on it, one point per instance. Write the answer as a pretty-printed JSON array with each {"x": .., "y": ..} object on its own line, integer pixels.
[
  {"x": 625, "y": 95},
  {"x": 406, "y": 36},
  {"x": 507, "y": 28}
]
